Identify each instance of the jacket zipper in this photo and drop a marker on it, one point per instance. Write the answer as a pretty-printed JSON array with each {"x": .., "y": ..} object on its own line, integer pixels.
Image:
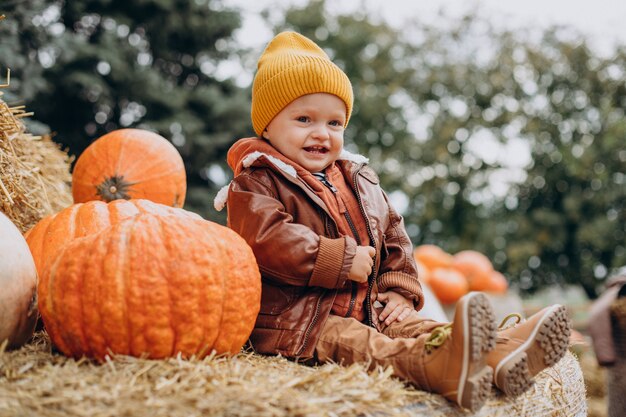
[
  {"x": 312, "y": 325},
  {"x": 354, "y": 285},
  {"x": 317, "y": 306},
  {"x": 370, "y": 279}
]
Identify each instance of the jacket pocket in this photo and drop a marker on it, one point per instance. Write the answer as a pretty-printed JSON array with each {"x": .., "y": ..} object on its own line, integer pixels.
[
  {"x": 276, "y": 300},
  {"x": 383, "y": 248}
]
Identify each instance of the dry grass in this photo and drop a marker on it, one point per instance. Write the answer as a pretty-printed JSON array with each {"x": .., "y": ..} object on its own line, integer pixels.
[
  {"x": 34, "y": 381},
  {"x": 34, "y": 171}
]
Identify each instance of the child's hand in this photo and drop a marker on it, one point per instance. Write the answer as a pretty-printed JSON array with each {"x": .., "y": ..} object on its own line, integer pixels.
[
  {"x": 397, "y": 307},
  {"x": 362, "y": 264}
]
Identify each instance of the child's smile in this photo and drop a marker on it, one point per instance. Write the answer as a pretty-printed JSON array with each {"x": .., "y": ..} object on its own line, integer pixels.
[
  {"x": 316, "y": 149},
  {"x": 309, "y": 130}
]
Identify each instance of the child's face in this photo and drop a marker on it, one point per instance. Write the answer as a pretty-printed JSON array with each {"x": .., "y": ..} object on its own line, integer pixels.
[{"x": 309, "y": 130}]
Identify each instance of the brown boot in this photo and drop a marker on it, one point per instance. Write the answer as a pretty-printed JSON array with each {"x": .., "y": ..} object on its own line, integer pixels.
[
  {"x": 528, "y": 347},
  {"x": 453, "y": 361}
]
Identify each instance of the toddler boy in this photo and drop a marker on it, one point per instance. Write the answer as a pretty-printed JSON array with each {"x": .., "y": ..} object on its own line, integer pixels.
[{"x": 339, "y": 280}]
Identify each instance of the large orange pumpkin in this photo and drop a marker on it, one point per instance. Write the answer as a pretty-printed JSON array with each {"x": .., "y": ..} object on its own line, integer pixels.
[
  {"x": 18, "y": 279},
  {"x": 130, "y": 163},
  {"x": 432, "y": 256},
  {"x": 48, "y": 236},
  {"x": 476, "y": 267},
  {"x": 152, "y": 285},
  {"x": 448, "y": 285}
]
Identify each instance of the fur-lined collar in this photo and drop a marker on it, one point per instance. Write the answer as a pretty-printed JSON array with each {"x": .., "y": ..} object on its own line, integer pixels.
[{"x": 220, "y": 199}]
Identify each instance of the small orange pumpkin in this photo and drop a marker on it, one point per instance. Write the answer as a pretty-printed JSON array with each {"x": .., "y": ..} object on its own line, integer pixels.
[
  {"x": 18, "y": 278},
  {"x": 130, "y": 163},
  {"x": 152, "y": 285},
  {"x": 432, "y": 256},
  {"x": 48, "y": 236},
  {"x": 448, "y": 285},
  {"x": 497, "y": 283},
  {"x": 476, "y": 267}
]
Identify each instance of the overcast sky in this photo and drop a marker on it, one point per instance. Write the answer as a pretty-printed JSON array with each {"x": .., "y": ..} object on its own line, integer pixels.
[{"x": 604, "y": 21}]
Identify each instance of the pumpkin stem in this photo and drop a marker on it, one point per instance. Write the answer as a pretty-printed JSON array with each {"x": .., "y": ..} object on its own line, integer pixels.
[{"x": 114, "y": 188}]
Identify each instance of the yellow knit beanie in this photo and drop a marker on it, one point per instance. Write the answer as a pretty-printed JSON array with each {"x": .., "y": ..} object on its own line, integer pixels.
[{"x": 290, "y": 67}]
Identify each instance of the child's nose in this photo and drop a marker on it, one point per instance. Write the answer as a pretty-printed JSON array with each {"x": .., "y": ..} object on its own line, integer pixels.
[{"x": 321, "y": 131}]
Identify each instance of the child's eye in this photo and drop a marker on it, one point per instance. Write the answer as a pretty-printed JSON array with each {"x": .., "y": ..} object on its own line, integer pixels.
[
  {"x": 302, "y": 119},
  {"x": 336, "y": 123}
]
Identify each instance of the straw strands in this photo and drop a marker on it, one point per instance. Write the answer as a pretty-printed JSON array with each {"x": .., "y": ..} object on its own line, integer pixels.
[
  {"x": 36, "y": 382},
  {"x": 34, "y": 172}
]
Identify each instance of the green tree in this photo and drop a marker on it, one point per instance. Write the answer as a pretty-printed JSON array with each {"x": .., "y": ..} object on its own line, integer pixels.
[
  {"x": 109, "y": 64},
  {"x": 572, "y": 206},
  {"x": 501, "y": 144}
]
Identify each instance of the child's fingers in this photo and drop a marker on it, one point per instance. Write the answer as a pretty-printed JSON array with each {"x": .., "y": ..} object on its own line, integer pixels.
[
  {"x": 393, "y": 315},
  {"x": 389, "y": 308},
  {"x": 405, "y": 313}
]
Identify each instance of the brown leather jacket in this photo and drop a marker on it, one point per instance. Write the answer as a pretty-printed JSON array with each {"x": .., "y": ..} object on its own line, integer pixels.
[{"x": 302, "y": 258}]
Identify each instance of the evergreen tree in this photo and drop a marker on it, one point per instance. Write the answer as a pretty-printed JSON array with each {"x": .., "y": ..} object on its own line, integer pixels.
[{"x": 149, "y": 64}]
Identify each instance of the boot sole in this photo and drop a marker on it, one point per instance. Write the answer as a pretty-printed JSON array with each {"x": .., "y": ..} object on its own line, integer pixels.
[
  {"x": 551, "y": 336},
  {"x": 479, "y": 331}
]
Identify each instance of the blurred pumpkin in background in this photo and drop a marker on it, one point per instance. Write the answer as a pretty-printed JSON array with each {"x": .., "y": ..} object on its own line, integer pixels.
[
  {"x": 448, "y": 284},
  {"x": 451, "y": 277},
  {"x": 476, "y": 267},
  {"x": 432, "y": 256},
  {"x": 497, "y": 283}
]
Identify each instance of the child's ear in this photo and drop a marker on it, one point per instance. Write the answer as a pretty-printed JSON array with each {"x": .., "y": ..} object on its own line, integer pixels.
[{"x": 264, "y": 135}]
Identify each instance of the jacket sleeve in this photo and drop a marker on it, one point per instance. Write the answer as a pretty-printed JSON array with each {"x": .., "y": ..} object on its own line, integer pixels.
[
  {"x": 398, "y": 271},
  {"x": 287, "y": 252}
]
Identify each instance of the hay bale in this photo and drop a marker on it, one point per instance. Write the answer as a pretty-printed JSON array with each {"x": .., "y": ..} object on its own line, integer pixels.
[
  {"x": 34, "y": 172},
  {"x": 35, "y": 381}
]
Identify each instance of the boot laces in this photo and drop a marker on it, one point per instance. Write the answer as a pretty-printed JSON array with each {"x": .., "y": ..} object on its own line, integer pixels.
[
  {"x": 504, "y": 324},
  {"x": 438, "y": 337}
]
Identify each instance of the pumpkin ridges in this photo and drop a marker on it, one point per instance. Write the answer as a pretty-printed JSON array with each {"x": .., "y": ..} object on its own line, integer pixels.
[
  {"x": 186, "y": 318},
  {"x": 234, "y": 318},
  {"x": 237, "y": 325},
  {"x": 135, "y": 300},
  {"x": 213, "y": 307},
  {"x": 219, "y": 246},
  {"x": 157, "y": 310},
  {"x": 122, "y": 209},
  {"x": 91, "y": 296},
  {"x": 111, "y": 260},
  {"x": 90, "y": 217},
  {"x": 36, "y": 242},
  {"x": 81, "y": 219},
  {"x": 45, "y": 300},
  {"x": 63, "y": 300}
]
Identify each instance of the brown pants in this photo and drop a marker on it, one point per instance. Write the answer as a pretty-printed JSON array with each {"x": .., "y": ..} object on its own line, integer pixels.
[{"x": 347, "y": 341}]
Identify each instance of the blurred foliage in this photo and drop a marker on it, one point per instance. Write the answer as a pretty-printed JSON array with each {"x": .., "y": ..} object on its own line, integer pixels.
[
  {"x": 507, "y": 143},
  {"x": 89, "y": 67}
]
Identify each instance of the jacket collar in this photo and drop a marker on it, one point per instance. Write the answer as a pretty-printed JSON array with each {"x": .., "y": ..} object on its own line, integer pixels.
[{"x": 251, "y": 151}]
